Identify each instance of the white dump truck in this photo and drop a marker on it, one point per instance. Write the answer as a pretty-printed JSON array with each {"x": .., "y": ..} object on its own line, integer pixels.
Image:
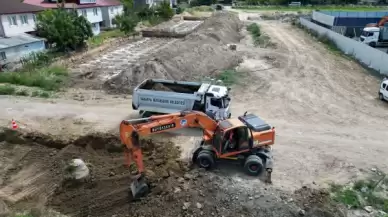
[
  {"x": 375, "y": 36},
  {"x": 159, "y": 96}
]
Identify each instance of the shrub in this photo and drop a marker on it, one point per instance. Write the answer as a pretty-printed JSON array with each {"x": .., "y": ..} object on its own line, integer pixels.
[
  {"x": 22, "y": 92},
  {"x": 254, "y": 29},
  {"x": 6, "y": 89},
  {"x": 51, "y": 78},
  {"x": 164, "y": 10}
]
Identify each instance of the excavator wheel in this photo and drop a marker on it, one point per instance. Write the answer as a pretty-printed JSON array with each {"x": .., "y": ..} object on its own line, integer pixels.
[
  {"x": 253, "y": 165},
  {"x": 205, "y": 159}
]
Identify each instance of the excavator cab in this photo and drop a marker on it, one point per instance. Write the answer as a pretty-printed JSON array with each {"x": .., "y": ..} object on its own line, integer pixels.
[{"x": 246, "y": 139}]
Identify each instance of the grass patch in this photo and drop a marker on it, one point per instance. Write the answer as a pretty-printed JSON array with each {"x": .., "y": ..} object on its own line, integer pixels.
[
  {"x": 229, "y": 77},
  {"x": 254, "y": 30},
  {"x": 7, "y": 89},
  {"x": 49, "y": 78},
  {"x": 202, "y": 8},
  {"x": 38, "y": 60},
  {"x": 369, "y": 192},
  {"x": 40, "y": 93},
  {"x": 310, "y": 8},
  {"x": 348, "y": 197},
  {"x": 258, "y": 38},
  {"x": 103, "y": 36},
  {"x": 22, "y": 92}
]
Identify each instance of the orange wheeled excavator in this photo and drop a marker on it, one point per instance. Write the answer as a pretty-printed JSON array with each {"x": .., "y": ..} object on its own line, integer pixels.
[{"x": 247, "y": 139}]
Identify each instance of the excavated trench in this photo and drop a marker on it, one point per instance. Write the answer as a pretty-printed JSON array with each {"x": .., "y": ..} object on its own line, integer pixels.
[
  {"x": 108, "y": 188},
  {"x": 32, "y": 166}
]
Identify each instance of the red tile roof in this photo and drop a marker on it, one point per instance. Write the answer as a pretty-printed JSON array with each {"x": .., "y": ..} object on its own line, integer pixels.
[
  {"x": 17, "y": 6},
  {"x": 108, "y": 2},
  {"x": 99, "y": 3}
]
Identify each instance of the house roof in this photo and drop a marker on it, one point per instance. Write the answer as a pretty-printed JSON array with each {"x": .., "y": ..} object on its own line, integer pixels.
[
  {"x": 18, "y": 40},
  {"x": 17, "y": 6},
  {"x": 99, "y": 3},
  {"x": 108, "y": 2}
]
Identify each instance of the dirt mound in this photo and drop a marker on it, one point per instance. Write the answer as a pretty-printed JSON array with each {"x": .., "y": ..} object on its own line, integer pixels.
[
  {"x": 199, "y": 54},
  {"x": 317, "y": 203},
  {"x": 108, "y": 188}
]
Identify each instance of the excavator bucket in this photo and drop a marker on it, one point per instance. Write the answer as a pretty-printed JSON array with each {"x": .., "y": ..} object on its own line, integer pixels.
[{"x": 139, "y": 187}]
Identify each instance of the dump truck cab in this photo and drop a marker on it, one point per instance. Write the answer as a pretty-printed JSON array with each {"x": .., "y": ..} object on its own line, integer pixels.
[
  {"x": 374, "y": 36},
  {"x": 217, "y": 101}
]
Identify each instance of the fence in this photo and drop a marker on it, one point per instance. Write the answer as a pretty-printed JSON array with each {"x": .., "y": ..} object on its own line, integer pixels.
[{"x": 367, "y": 55}]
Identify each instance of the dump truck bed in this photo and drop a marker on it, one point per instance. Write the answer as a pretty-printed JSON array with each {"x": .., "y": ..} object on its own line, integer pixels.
[
  {"x": 170, "y": 86},
  {"x": 166, "y": 96}
]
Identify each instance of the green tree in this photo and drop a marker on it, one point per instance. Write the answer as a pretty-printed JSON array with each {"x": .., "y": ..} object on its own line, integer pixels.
[
  {"x": 128, "y": 20},
  {"x": 194, "y": 3},
  {"x": 65, "y": 30},
  {"x": 164, "y": 10}
]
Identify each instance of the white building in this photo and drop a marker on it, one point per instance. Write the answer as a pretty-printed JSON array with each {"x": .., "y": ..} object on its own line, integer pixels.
[
  {"x": 17, "y": 19},
  {"x": 99, "y": 13},
  {"x": 14, "y": 24},
  {"x": 109, "y": 13},
  {"x": 94, "y": 16},
  {"x": 150, "y": 3}
]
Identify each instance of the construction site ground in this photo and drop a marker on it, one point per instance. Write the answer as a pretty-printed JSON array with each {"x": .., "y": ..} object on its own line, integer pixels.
[{"x": 330, "y": 128}]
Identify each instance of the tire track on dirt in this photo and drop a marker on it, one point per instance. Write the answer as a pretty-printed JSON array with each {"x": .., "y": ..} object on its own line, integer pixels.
[{"x": 322, "y": 107}]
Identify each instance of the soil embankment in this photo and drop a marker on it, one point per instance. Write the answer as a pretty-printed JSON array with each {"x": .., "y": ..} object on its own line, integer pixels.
[{"x": 202, "y": 53}]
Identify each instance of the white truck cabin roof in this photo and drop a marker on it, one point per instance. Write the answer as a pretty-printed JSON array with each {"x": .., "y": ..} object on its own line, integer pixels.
[
  {"x": 218, "y": 91},
  {"x": 385, "y": 81},
  {"x": 371, "y": 29}
]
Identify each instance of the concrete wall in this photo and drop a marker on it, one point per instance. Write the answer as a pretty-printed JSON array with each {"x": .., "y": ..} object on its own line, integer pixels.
[
  {"x": 367, "y": 55},
  {"x": 15, "y": 53},
  {"x": 10, "y": 30}
]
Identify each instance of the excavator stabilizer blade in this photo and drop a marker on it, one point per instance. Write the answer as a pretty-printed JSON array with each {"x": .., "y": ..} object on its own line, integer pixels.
[{"x": 139, "y": 188}]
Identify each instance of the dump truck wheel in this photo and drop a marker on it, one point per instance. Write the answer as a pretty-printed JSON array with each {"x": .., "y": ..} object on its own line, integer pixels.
[
  {"x": 381, "y": 97},
  {"x": 253, "y": 165},
  {"x": 205, "y": 159}
]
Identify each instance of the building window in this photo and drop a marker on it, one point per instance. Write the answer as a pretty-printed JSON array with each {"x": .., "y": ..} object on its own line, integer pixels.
[
  {"x": 3, "y": 56},
  {"x": 112, "y": 10},
  {"x": 34, "y": 17},
  {"x": 84, "y": 13},
  {"x": 24, "y": 19},
  {"x": 95, "y": 11},
  {"x": 12, "y": 21}
]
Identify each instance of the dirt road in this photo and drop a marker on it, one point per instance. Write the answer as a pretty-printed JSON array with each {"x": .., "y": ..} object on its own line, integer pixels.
[{"x": 329, "y": 122}]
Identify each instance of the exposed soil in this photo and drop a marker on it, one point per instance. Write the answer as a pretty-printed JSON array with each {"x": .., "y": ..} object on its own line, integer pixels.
[
  {"x": 330, "y": 127},
  {"x": 37, "y": 175},
  {"x": 202, "y": 53}
]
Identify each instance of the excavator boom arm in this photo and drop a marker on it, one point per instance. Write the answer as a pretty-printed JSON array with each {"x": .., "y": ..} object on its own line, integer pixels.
[{"x": 130, "y": 132}]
